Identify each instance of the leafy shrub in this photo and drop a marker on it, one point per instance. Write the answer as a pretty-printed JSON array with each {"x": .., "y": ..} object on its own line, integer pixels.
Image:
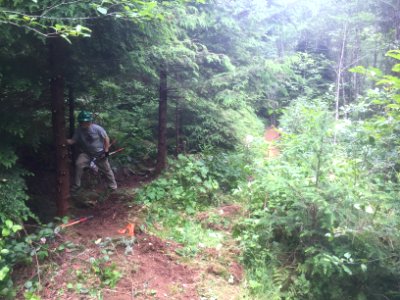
[
  {"x": 13, "y": 195},
  {"x": 320, "y": 226},
  {"x": 209, "y": 124},
  {"x": 16, "y": 249},
  {"x": 8, "y": 230},
  {"x": 187, "y": 185}
]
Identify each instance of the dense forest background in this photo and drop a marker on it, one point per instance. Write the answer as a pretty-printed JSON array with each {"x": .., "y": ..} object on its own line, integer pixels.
[{"x": 188, "y": 88}]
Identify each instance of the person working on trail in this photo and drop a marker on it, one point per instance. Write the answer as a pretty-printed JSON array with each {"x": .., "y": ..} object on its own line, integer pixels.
[{"x": 95, "y": 145}]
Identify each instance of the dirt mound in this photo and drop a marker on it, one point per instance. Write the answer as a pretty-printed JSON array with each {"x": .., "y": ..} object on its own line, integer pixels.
[{"x": 155, "y": 273}]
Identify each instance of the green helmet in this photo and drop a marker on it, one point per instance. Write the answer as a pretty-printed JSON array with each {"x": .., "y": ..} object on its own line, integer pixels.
[{"x": 85, "y": 116}]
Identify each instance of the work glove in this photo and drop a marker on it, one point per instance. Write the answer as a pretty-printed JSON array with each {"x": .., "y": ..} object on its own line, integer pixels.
[{"x": 106, "y": 154}]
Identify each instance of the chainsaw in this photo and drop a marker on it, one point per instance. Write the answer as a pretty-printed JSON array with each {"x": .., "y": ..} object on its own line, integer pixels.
[{"x": 93, "y": 161}]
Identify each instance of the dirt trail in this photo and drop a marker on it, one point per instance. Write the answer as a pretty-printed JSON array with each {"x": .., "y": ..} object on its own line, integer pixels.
[
  {"x": 271, "y": 135},
  {"x": 149, "y": 271},
  {"x": 85, "y": 258},
  {"x": 92, "y": 250}
]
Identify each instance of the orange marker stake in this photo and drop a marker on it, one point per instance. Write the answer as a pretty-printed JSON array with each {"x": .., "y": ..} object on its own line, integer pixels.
[{"x": 129, "y": 229}]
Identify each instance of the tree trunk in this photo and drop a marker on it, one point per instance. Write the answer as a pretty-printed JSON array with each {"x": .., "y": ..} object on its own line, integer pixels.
[
  {"x": 339, "y": 77},
  {"x": 162, "y": 122},
  {"x": 58, "y": 122},
  {"x": 339, "y": 71},
  {"x": 71, "y": 106},
  {"x": 397, "y": 21},
  {"x": 356, "y": 58},
  {"x": 344, "y": 97},
  {"x": 178, "y": 148}
]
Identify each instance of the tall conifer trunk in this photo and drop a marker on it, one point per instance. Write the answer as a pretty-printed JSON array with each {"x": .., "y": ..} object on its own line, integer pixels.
[
  {"x": 397, "y": 20},
  {"x": 339, "y": 71},
  {"x": 71, "y": 116},
  {"x": 162, "y": 122},
  {"x": 58, "y": 122},
  {"x": 71, "y": 107},
  {"x": 178, "y": 148}
]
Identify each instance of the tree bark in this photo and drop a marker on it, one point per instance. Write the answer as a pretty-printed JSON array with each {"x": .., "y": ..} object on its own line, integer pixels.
[
  {"x": 344, "y": 97},
  {"x": 357, "y": 53},
  {"x": 339, "y": 77},
  {"x": 397, "y": 20},
  {"x": 178, "y": 148},
  {"x": 58, "y": 122},
  {"x": 71, "y": 116},
  {"x": 71, "y": 106},
  {"x": 339, "y": 71},
  {"x": 162, "y": 122}
]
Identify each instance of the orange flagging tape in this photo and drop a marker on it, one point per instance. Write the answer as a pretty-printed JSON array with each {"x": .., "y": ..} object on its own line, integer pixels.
[{"x": 129, "y": 229}]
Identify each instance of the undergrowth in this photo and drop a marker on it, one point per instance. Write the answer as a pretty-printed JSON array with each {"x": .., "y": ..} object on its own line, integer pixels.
[
  {"x": 319, "y": 225},
  {"x": 192, "y": 184}
]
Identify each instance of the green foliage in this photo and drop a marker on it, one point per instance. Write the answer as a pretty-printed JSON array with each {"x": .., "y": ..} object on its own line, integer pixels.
[
  {"x": 13, "y": 195},
  {"x": 228, "y": 169},
  {"x": 188, "y": 185},
  {"x": 131, "y": 130},
  {"x": 100, "y": 274},
  {"x": 191, "y": 185},
  {"x": 318, "y": 219},
  {"x": 207, "y": 124},
  {"x": 374, "y": 137},
  {"x": 31, "y": 296},
  {"x": 48, "y": 19},
  {"x": 17, "y": 249},
  {"x": 8, "y": 230},
  {"x": 107, "y": 274},
  {"x": 184, "y": 229}
]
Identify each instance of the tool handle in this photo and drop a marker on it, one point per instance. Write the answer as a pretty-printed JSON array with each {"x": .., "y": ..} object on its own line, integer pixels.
[{"x": 76, "y": 222}]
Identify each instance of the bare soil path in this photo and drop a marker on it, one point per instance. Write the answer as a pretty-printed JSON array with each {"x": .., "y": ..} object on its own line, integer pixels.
[
  {"x": 92, "y": 260},
  {"x": 271, "y": 135}
]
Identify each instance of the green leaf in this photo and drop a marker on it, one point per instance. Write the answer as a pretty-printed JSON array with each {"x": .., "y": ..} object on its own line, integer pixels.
[
  {"x": 394, "y": 53},
  {"x": 28, "y": 284},
  {"x": 4, "y": 251},
  {"x": 3, "y": 272},
  {"x": 65, "y": 37},
  {"x": 397, "y": 98},
  {"x": 358, "y": 69},
  {"x": 347, "y": 270},
  {"x": 364, "y": 267},
  {"x": 396, "y": 68},
  {"x": 102, "y": 10},
  {"x": 16, "y": 228},
  {"x": 6, "y": 232},
  {"x": 9, "y": 223}
]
